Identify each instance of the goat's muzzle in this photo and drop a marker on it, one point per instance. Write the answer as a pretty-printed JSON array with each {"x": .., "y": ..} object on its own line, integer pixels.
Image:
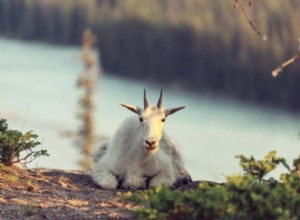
[{"x": 151, "y": 146}]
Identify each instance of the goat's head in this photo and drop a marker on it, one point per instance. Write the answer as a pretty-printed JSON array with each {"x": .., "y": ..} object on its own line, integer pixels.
[{"x": 152, "y": 120}]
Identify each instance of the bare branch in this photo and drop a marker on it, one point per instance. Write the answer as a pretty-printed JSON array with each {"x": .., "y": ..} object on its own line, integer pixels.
[
  {"x": 24, "y": 158},
  {"x": 240, "y": 4},
  {"x": 25, "y": 163},
  {"x": 284, "y": 64}
]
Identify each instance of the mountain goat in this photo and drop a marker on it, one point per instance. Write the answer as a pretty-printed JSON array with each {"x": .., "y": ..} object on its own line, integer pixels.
[{"x": 140, "y": 151}]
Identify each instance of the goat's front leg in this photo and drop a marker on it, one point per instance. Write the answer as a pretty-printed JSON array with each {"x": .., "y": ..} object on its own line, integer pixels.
[
  {"x": 104, "y": 177},
  {"x": 134, "y": 179},
  {"x": 165, "y": 176}
]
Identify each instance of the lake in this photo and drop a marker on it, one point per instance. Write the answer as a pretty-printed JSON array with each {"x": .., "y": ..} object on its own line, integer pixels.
[{"x": 38, "y": 92}]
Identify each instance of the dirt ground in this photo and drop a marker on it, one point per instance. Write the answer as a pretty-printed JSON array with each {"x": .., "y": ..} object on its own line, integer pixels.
[{"x": 58, "y": 194}]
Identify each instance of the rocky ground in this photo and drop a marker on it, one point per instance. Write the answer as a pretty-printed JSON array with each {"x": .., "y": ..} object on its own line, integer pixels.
[{"x": 58, "y": 194}]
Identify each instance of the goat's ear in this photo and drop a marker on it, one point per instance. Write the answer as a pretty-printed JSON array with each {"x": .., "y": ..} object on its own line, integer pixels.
[
  {"x": 171, "y": 111},
  {"x": 133, "y": 108}
]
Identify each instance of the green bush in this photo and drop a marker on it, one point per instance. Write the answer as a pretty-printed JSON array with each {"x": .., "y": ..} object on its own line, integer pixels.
[
  {"x": 247, "y": 196},
  {"x": 13, "y": 143}
]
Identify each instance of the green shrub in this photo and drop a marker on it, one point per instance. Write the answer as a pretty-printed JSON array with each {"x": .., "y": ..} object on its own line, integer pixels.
[
  {"x": 260, "y": 168},
  {"x": 247, "y": 196},
  {"x": 13, "y": 143}
]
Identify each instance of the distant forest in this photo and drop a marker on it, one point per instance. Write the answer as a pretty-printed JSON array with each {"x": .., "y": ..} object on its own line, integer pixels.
[{"x": 205, "y": 45}]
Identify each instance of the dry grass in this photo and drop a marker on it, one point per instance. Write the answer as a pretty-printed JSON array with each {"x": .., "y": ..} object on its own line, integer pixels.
[
  {"x": 58, "y": 194},
  {"x": 55, "y": 194}
]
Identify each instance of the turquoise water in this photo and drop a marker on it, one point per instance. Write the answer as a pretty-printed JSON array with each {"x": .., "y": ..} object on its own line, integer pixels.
[{"x": 38, "y": 92}]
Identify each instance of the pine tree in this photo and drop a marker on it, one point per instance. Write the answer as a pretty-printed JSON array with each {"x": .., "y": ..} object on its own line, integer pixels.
[{"x": 87, "y": 81}]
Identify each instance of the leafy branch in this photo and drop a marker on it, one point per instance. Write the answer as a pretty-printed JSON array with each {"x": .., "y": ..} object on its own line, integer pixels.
[
  {"x": 13, "y": 143},
  {"x": 258, "y": 169}
]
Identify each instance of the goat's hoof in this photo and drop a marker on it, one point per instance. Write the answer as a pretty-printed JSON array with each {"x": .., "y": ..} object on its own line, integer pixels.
[
  {"x": 108, "y": 183},
  {"x": 136, "y": 184},
  {"x": 157, "y": 182}
]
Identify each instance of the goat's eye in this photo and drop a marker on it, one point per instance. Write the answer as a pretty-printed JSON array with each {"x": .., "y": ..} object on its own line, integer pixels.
[
  {"x": 163, "y": 120},
  {"x": 141, "y": 119}
]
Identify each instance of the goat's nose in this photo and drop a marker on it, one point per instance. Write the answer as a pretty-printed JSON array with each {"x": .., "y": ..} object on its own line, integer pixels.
[{"x": 150, "y": 143}]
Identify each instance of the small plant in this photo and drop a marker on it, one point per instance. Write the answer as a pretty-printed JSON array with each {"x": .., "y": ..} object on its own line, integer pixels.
[
  {"x": 2, "y": 167},
  {"x": 243, "y": 197},
  {"x": 29, "y": 210},
  {"x": 13, "y": 143},
  {"x": 12, "y": 178},
  {"x": 30, "y": 182},
  {"x": 258, "y": 169}
]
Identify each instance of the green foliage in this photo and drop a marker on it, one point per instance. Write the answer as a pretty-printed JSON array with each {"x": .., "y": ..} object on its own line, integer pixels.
[
  {"x": 13, "y": 143},
  {"x": 242, "y": 197},
  {"x": 260, "y": 168},
  {"x": 2, "y": 167}
]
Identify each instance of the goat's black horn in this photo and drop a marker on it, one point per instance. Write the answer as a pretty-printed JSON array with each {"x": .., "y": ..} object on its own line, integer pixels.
[
  {"x": 159, "y": 103},
  {"x": 146, "y": 104}
]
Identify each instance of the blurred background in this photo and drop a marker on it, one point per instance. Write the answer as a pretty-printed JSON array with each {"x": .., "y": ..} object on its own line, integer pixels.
[{"x": 203, "y": 53}]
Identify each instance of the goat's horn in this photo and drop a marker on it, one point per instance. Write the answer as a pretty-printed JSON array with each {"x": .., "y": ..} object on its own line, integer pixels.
[
  {"x": 171, "y": 111},
  {"x": 146, "y": 104},
  {"x": 159, "y": 103}
]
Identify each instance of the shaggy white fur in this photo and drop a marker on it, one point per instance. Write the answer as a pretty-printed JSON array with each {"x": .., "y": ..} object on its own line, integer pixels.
[{"x": 139, "y": 150}]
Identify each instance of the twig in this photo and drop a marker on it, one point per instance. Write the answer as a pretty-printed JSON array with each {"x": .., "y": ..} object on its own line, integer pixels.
[
  {"x": 29, "y": 161},
  {"x": 25, "y": 118},
  {"x": 288, "y": 62},
  {"x": 24, "y": 158},
  {"x": 240, "y": 4},
  {"x": 284, "y": 64}
]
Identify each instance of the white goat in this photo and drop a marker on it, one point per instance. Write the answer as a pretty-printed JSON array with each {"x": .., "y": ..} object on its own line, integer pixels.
[{"x": 140, "y": 150}]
